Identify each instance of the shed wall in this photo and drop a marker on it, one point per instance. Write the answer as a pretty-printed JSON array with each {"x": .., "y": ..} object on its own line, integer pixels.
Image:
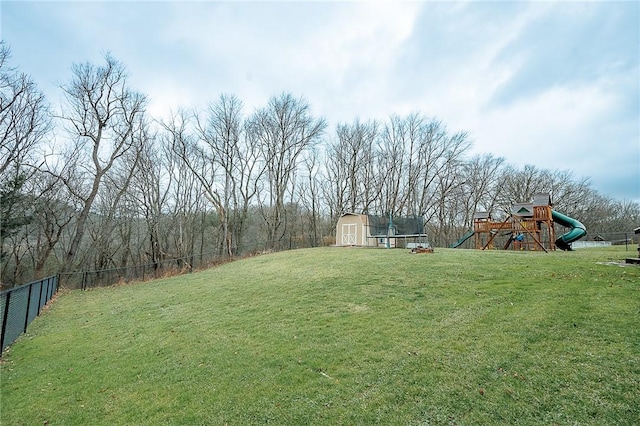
[{"x": 351, "y": 230}]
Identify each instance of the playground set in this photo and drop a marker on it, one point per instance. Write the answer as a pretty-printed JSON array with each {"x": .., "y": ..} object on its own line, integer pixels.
[{"x": 530, "y": 226}]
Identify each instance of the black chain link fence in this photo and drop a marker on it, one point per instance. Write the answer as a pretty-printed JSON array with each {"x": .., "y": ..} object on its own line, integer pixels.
[
  {"x": 170, "y": 267},
  {"x": 111, "y": 276},
  {"x": 20, "y": 305}
]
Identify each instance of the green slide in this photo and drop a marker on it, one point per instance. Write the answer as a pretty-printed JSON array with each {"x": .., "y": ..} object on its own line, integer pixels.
[
  {"x": 576, "y": 230},
  {"x": 464, "y": 238}
]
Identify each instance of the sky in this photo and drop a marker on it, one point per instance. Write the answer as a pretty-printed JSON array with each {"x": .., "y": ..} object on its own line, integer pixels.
[{"x": 551, "y": 84}]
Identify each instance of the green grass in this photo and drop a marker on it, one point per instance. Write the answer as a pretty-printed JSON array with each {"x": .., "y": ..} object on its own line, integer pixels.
[{"x": 342, "y": 336}]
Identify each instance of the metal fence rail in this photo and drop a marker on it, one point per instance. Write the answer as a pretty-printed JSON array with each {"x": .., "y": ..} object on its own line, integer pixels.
[
  {"x": 87, "y": 279},
  {"x": 20, "y": 305}
]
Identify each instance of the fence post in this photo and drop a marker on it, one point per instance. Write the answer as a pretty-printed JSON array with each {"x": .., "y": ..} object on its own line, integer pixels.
[
  {"x": 26, "y": 311},
  {"x": 5, "y": 315},
  {"x": 40, "y": 302},
  {"x": 48, "y": 293}
]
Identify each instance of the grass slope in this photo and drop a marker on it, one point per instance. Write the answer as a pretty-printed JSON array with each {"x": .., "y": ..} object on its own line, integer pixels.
[{"x": 342, "y": 336}]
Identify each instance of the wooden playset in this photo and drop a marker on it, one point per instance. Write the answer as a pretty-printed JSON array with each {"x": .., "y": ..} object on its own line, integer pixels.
[{"x": 530, "y": 226}]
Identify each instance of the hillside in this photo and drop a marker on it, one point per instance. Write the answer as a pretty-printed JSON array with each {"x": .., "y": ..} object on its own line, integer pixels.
[{"x": 342, "y": 336}]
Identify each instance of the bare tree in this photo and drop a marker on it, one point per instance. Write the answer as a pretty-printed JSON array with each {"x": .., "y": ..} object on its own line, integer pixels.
[
  {"x": 439, "y": 155},
  {"x": 449, "y": 180},
  {"x": 199, "y": 160},
  {"x": 24, "y": 114},
  {"x": 24, "y": 123},
  {"x": 285, "y": 129},
  {"x": 521, "y": 185},
  {"x": 224, "y": 141},
  {"x": 185, "y": 226},
  {"x": 391, "y": 165},
  {"x": 106, "y": 242},
  {"x": 45, "y": 216},
  {"x": 419, "y": 165},
  {"x": 481, "y": 188},
  {"x": 334, "y": 184},
  {"x": 52, "y": 216},
  {"x": 150, "y": 192},
  {"x": 250, "y": 168},
  {"x": 310, "y": 197},
  {"x": 222, "y": 135},
  {"x": 103, "y": 117},
  {"x": 349, "y": 169},
  {"x": 364, "y": 180}
]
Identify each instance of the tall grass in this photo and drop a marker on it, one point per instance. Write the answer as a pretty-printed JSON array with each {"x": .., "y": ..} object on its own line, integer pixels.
[{"x": 342, "y": 336}]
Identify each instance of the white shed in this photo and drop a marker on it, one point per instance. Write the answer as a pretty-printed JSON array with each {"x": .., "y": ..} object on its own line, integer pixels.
[{"x": 352, "y": 230}]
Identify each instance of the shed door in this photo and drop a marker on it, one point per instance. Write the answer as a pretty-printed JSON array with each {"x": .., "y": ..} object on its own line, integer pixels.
[{"x": 349, "y": 234}]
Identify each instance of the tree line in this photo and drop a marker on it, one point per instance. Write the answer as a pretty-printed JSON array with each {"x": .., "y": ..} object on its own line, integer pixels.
[{"x": 99, "y": 183}]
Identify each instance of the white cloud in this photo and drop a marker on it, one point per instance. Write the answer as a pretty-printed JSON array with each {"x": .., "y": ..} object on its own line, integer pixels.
[
  {"x": 548, "y": 129},
  {"x": 340, "y": 59},
  {"x": 529, "y": 81}
]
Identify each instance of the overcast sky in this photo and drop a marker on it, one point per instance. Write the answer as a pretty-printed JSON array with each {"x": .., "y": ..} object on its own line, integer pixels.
[{"x": 553, "y": 84}]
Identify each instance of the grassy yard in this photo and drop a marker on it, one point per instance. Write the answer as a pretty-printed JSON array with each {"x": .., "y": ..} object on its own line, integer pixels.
[{"x": 342, "y": 336}]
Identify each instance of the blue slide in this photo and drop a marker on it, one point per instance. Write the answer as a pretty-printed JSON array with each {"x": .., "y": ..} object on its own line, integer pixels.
[{"x": 576, "y": 230}]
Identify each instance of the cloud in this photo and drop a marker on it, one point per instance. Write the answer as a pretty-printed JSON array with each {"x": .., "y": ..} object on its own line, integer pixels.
[
  {"x": 546, "y": 83},
  {"x": 554, "y": 85},
  {"x": 571, "y": 44},
  {"x": 549, "y": 129},
  {"x": 337, "y": 57}
]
